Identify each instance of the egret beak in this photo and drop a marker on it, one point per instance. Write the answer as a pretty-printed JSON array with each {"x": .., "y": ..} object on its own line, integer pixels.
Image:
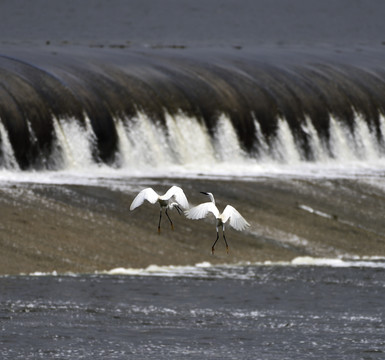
[
  {"x": 205, "y": 193},
  {"x": 177, "y": 207}
]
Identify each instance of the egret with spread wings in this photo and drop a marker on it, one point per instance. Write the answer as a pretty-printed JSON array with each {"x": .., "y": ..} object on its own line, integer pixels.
[
  {"x": 173, "y": 198},
  {"x": 230, "y": 215}
]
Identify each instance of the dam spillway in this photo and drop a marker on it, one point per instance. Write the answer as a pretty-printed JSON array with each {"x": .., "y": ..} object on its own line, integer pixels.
[{"x": 155, "y": 108}]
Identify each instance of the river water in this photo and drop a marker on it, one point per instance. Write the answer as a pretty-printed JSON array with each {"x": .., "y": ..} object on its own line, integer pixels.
[{"x": 278, "y": 311}]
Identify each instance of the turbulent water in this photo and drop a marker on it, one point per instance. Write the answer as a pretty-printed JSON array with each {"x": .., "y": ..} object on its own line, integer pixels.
[
  {"x": 206, "y": 88},
  {"x": 192, "y": 111},
  {"x": 332, "y": 310}
]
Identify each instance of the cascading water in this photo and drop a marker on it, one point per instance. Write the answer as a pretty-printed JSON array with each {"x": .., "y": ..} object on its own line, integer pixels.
[
  {"x": 74, "y": 144},
  {"x": 284, "y": 148},
  {"x": 7, "y": 157},
  {"x": 160, "y": 113},
  {"x": 183, "y": 144}
]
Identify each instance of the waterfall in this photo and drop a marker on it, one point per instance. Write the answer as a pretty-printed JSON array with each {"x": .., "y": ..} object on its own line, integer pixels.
[
  {"x": 189, "y": 140},
  {"x": 74, "y": 144},
  {"x": 341, "y": 141},
  {"x": 366, "y": 144},
  {"x": 227, "y": 147},
  {"x": 142, "y": 143},
  {"x": 285, "y": 149},
  {"x": 317, "y": 146},
  {"x": 184, "y": 143},
  {"x": 194, "y": 111},
  {"x": 7, "y": 156}
]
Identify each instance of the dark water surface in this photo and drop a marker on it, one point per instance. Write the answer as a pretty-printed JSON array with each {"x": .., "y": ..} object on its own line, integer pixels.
[
  {"x": 262, "y": 312},
  {"x": 202, "y": 23}
]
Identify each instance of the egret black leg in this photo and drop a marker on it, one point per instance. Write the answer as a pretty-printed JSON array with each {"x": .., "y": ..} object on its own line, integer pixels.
[
  {"x": 178, "y": 209},
  {"x": 172, "y": 225},
  {"x": 212, "y": 248},
  {"x": 160, "y": 218},
  {"x": 227, "y": 246}
]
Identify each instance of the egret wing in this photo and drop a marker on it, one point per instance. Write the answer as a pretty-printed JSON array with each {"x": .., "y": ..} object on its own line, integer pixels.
[
  {"x": 146, "y": 194},
  {"x": 237, "y": 221},
  {"x": 201, "y": 211},
  {"x": 178, "y": 194}
]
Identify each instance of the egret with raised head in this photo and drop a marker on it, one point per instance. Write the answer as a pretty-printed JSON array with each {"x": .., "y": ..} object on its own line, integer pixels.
[
  {"x": 230, "y": 214},
  {"x": 173, "y": 198}
]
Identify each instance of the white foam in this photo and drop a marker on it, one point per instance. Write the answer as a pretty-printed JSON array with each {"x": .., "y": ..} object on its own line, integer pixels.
[
  {"x": 156, "y": 270},
  {"x": 314, "y": 211},
  {"x": 242, "y": 270},
  {"x": 182, "y": 147},
  {"x": 206, "y": 269},
  {"x": 367, "y": 261},
  {"x": 40, "y": 273}
]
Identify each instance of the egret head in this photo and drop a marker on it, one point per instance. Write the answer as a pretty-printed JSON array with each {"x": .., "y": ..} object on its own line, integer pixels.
[{"x": 210, "y": 195}]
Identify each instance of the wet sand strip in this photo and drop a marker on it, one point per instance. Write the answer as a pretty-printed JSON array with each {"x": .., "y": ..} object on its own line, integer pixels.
[{"x": 82, "y": 229}]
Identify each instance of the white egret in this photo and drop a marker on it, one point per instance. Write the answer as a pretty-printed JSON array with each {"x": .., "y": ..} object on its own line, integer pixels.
[
  {"x": 173, "y": 198},
  {"x": 229, "y": 214}
]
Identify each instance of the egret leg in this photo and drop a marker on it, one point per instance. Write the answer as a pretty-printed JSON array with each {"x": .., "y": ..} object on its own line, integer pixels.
[
  {"x": 224, "y": 238},
  {"x": 172, "y": 225},
  {"x": 212, "y": 248},
  {"x": 160, "y": 218},
  {"x": 177, "y": 207}
]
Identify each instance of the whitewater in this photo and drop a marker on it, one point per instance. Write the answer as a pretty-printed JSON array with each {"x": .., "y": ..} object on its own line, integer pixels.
[{"x": 184, "y": 148}]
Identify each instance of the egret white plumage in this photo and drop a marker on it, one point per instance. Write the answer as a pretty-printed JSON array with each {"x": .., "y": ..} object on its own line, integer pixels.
[
  {"x": 173, "y": 198},
  {"x": 229, "y": 214}
]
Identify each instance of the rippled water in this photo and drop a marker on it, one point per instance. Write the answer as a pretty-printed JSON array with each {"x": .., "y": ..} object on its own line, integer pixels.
[{"x": 241, "y": 312}]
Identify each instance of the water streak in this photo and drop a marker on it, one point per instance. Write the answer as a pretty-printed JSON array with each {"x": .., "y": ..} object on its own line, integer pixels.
[
  {"x": 7, "y": 156},
  {"x": 75, "y": 143}
]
